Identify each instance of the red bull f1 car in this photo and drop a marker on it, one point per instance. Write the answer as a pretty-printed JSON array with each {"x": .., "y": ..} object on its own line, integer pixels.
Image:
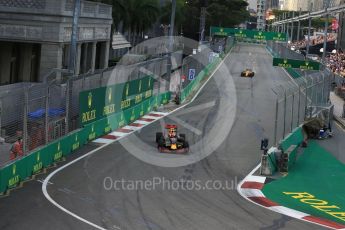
[
  {"x": 247, "y": 73},
  {"x": 171, "y": 142}
]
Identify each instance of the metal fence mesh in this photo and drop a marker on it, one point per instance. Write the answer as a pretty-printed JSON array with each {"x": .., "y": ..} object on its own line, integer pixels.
[
  {"x": 40, "y": 113},
  {"x": 306, "y": 96}
]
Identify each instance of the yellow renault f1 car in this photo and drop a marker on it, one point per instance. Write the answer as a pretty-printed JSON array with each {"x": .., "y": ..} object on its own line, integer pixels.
[
  {"x": 171, "y": 142},
  {"x": 247, "y": 73}
]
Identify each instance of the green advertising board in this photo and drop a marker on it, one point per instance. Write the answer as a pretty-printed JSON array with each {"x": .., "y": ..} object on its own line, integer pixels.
[
  {"x": 102, "y": 102},
  {"x": 296, "y": 64},
  {"x": 248, "y": 34}
]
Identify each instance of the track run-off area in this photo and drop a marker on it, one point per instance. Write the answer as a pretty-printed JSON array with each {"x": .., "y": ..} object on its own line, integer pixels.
[{"x": 98, "y": 188}]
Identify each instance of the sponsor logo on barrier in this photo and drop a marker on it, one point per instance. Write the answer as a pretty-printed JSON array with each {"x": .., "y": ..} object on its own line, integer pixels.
[
  {"x": 39, "y": 165},
  {"x": 89, "y": 100},
  {"x": 318, "y": 204},
  {"x": 279, "y": 37},
  {"x": 107, "y": 128},
  {"x": 138, "y": 98},
  {"x": 92, "y": 135},
  {"x": 306, "y": 66},
  {"x": 89, "y": 116},
  {"x": 140, "y": 86},
  {"x": 149, "y": 107},
  {"x": 221, "y": 32},
  {"x": 110, "y": 108},
  {"x": 58, "y": 154},
  {"x": 122, "y": 120},
  {"x": 127, "y": 89},
  {"x": 285, "y": 64},
  {"x": 142, "y": 110},
  {"x": 132, "y": 115},
  {"x": 76, "y": 143},
  {"x": 240, "y": 34},
  {"x": 125, "y": 104},
  {"x": 15, "y": 179},
  {"x": 148, "y": 94},
  {"x": 260, "y": 36}
]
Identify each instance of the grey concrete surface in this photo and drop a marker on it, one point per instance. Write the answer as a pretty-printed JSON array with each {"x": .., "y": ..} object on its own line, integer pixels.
[
  {"x": 80, "y": 187},
  {"x": 336, "y": 144}
]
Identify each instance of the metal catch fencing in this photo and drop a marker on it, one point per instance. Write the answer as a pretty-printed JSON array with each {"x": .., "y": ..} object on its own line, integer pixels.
[
  {"x": 303, "y": 98},
  {"x": 40, "y": 113}
]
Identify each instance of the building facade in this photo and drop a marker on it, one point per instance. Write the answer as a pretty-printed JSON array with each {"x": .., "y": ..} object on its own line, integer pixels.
[
  {"x": 314, "y": 5},
  {"x": 261, "y": 15},
  {"x": 272, "y": 4},
  {"x": 321, "y": 4},
  {"x": 295, "y": 5},
  {"x": 35, "y": 38},
  {"x": 341, "y": 33}
]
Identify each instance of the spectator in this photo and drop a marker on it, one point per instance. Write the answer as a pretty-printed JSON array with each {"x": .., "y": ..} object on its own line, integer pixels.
[
  {"x": 336, "y": 62},
  {"x": 313, "y": 41},
  {"x": 17, "y": 149}
]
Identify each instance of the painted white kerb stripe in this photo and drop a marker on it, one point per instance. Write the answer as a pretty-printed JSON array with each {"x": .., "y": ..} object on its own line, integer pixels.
[
  {"x": 249, "y": 192},
  {"x": 118, "y": 134},
  {"x": 259, "y": 179},
  {"x": 279, "y": 209},
  {"x": 159, "y": 113},
  {"x": 142, "y": 122},
  {"x": 134, "y": 128},
  {"x": 46, "y": 181},
  {"x": 103, "y": 141},
  {"x": 293, "y": 213},
  {"x": 151, "y": 117}
]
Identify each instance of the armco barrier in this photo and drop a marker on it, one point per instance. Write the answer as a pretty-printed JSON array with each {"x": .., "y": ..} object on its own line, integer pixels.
[
  {"x": 294, "y": 138},
  {"x": 20, "y": 170},
  {"x": 13, "y": 174},
  {"x": 99, "y": 103}
]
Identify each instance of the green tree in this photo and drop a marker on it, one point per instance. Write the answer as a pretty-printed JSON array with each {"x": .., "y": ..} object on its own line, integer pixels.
[
  {"x": 180, "y": 14},
  {"x": 226, "y": 13},
  {"x": 135, "y": 16}
]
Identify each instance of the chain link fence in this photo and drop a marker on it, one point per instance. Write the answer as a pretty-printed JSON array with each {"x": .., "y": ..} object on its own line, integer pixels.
[
  {"x": 39, "y": 113},
  {"x": 194, "y": 64},
  {"x": 304, "y": 97}
]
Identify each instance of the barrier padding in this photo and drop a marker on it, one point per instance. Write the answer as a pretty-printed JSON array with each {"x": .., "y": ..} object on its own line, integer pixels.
[
  {"x": 11, "y": 175},
  {"x": 294, "y": 138}
]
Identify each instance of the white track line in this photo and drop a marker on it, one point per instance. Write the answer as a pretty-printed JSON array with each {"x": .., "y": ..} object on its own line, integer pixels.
[{"x": 46, "y": 181}]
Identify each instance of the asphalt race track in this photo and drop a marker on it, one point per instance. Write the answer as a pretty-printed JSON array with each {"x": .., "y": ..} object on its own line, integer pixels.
[{"x": 80, "y": 187}]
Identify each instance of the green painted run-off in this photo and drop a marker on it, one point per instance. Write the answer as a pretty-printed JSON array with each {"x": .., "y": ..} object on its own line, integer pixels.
[{"x": 321, "y": 179}]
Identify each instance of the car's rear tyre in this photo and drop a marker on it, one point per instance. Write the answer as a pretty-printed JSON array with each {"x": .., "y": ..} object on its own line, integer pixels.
[
  {"x": 183, "y": 136},
  {"x": 159, "y": 136},
  {"x": 186, "y": 144}
]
